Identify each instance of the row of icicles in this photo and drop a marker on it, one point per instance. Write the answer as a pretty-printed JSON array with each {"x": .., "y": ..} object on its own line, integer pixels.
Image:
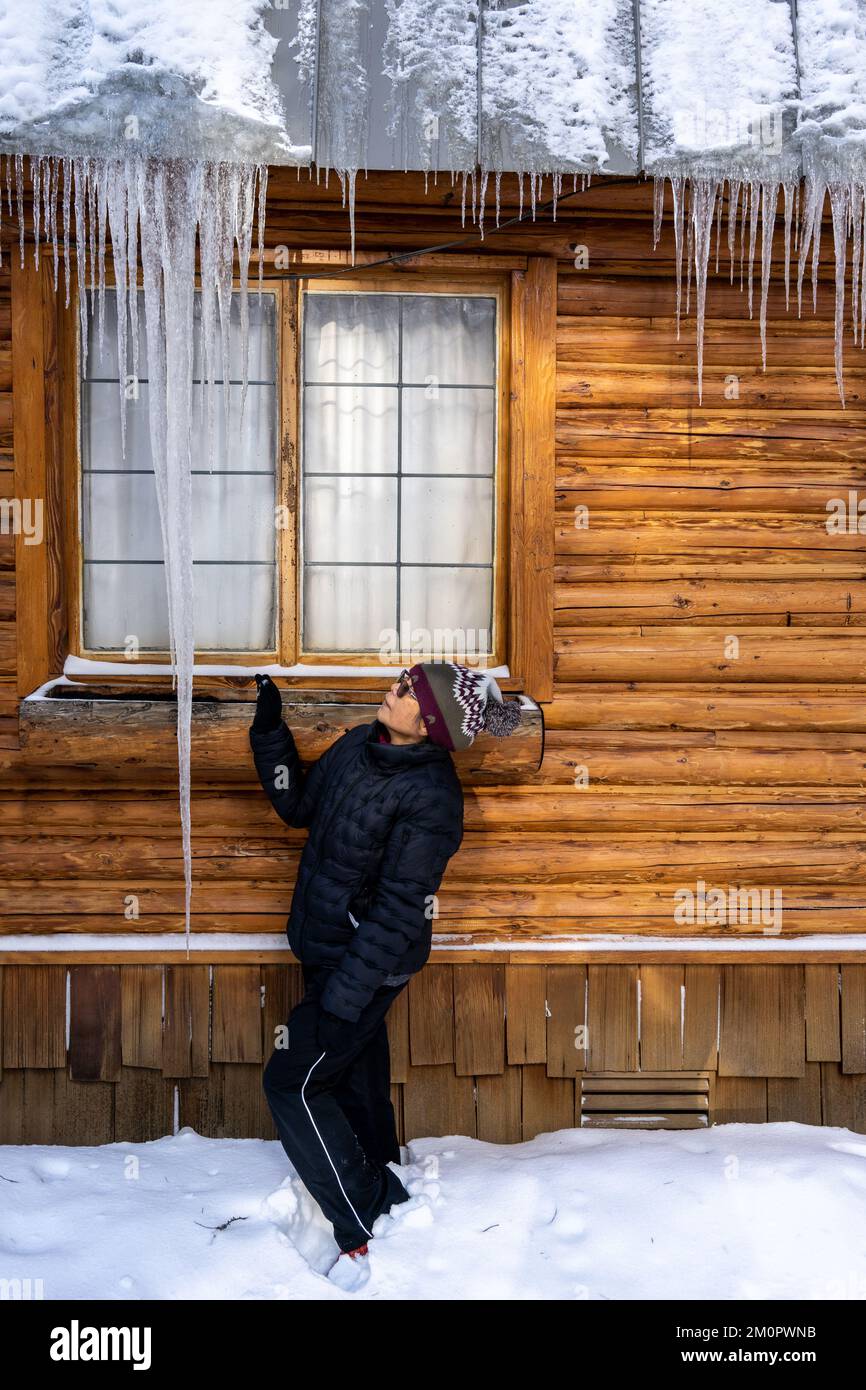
[
  {"x": 698, "y": 206},
  {"x": 168, "y": 221}
]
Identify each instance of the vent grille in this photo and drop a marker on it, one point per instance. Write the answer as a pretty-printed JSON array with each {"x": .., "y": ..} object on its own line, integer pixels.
[{"x": 646, "y": 1100}]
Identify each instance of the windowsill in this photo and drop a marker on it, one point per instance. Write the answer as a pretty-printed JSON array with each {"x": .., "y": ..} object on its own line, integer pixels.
[
  {"x": 83, "y": 666},
  {"x": 114, "y": 730}
]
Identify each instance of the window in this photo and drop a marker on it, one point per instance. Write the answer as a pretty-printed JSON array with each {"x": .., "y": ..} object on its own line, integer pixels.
[
  {"x": 399, "y": 428},
  {"x": 234, "y": 537},
  {"x": 399, "y": 475}
]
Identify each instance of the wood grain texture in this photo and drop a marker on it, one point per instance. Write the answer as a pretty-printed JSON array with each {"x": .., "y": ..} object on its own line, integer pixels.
[{"x": 737, "y": 761}]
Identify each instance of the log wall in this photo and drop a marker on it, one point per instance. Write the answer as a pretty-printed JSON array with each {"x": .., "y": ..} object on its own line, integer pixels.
[{"x": 707, "y": 724}]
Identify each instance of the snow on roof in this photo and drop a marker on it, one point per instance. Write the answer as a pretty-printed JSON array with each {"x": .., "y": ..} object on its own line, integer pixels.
[
  {"x": 88, "y": 72},
  {"x": 536, "y": 86},
  {"x": 717, "y": 79},
  {"x": 832, "y": 50}
]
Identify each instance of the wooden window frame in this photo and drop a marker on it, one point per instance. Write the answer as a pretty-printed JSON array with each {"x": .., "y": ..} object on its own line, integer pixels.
[
  {"x": 46, "y": 451},
  {"x": 68, "y": 332},
  {"x": 484, "y": 286}
]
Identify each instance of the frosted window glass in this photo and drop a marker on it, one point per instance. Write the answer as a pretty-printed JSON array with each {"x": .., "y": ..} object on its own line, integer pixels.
[
  {"x": 399, "y": 390},
  {"x": 252, "y": 438},
  {"x": 350, "y": 429},
  {"x": 449, "y": 338},
  {"x": 349, "y": 607},
  {"x": 352, "y": 518},
  {"x": 351, "y": 337},
  {"x": 447, "y": 521},
  {"x": 234, "y": 534},
  {"x": 452, "y": 598},
  {"x": 233, "y": 607},
  {"x": 102, "y": 362},
  {"x": 446, "y": 430}
]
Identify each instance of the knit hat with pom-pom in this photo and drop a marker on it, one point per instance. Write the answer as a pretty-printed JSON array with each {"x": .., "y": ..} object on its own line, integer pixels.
[{"x": 458, "y": 703}]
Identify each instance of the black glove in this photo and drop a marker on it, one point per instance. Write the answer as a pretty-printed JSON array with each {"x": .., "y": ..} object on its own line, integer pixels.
[
  {"x": 332, "y": 1033},
  {"x": 269, "y": 706}
]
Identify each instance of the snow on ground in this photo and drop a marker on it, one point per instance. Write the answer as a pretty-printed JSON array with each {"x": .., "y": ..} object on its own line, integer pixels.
[{"x": 774, "y": 1211}]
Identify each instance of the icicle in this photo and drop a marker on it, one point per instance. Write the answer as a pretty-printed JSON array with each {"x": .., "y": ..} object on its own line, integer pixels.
[
  {"x": 720, "y": 202},
  {"x": 67, "y": 201},
  {"x": 754, "y": 209},
  {"x": 484, "y": 177},
  {"x": 35, "y": 175},
  {"x": 19, "y": 195},
  {"x": 816, "y": 252},
  {"x": 747, "y": 195},
  {"x": 175, "y": 204},
  {"x": 857, "y": 216},
  {"x": 114, "y": 193},
  {"x": 658, "y": 208},
  {"x": 733, "y": 201},
  {"x": 769, "y": 203},
  {"x": 262, "y": 172},
  {"x": 840, "y": 207},
  {"x": 789, "y": 208},
  {"x": 498, "y": 194},
  {"x": 80, "y": 204},
  {"x": 863, "y": 270},
  {"x": 702, "y": 199},
  {"x": 678, "y": 195},
  {"x": 689, "y": 246},
  {"x": 100, "y": 181}
]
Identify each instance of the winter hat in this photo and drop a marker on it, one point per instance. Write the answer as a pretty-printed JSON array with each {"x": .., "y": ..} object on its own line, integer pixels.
[{"x": 457, "y": 703}]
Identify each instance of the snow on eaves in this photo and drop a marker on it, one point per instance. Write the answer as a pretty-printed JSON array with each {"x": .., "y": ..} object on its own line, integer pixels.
[
  {"x": 177, "y": 78},
  {"x": 558, "y": 84},
  {"x": 719, "y": 85},
  {"x": 832, "y": 50}
]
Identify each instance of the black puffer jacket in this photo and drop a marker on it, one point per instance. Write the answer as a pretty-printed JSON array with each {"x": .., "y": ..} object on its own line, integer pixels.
[{"x": 384, "y": 820}]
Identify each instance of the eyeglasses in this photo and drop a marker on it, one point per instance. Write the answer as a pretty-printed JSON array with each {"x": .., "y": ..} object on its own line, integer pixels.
[{"x": 405, "y": 683}]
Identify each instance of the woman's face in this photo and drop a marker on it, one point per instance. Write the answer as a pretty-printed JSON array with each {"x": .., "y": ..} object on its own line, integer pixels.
[{"x": 402, "y": 716}]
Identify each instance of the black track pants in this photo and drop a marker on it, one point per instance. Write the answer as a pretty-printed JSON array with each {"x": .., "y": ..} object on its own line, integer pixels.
[{"x": 334, "y": 1115}]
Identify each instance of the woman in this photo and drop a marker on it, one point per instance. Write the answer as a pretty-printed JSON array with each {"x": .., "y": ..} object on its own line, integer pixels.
[{"x": 384, "y": 808}]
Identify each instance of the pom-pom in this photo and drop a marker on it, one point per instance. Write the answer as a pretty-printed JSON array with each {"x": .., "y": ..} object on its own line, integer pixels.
[{"x": 501, "y": 718}]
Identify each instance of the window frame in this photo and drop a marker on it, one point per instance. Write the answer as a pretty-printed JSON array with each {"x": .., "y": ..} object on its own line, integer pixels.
[
  {"x": 482, "y": 286},
  {"x": 47, "y": 465},
  {"x": 70, "y": 336}
]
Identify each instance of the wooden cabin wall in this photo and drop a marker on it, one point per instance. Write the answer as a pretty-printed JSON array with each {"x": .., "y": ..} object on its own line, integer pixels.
[{"x": 672, "y": 754}]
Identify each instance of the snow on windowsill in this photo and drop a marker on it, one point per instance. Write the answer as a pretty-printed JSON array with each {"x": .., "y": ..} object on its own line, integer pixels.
[{"x": 79, "y": 670}]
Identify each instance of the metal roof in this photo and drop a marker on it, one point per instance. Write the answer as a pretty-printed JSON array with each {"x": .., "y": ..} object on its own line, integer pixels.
[{"x": 638, "y": 85}]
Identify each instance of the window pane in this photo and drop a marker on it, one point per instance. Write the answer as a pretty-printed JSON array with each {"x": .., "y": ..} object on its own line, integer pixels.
[
  {"x": 233, "y": 606},
  {"x": 372, "y": 420},
  {"x": 447, "y": 521},
  {"x": 459, "y": 600},
  {"x": 450, "y": 431},
  {"x": 350, "y": 429},
  {"x": 351, "y": 337},
  {"x": 261, "y": 365},
  {"x": 450, "y": 338},
  {"x": 251, "y": 444},
  {"x": 351, "y": 519},
  {"x": 349, "y": 607},
  {"x": 233, "y": 517},
  {"x": 234, "y": 533}
]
